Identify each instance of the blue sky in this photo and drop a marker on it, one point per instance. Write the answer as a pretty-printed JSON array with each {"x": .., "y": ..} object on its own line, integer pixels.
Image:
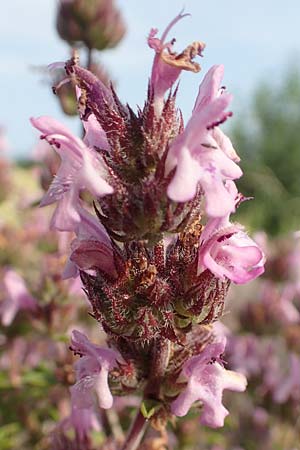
[{"x": 255, "y": 40}]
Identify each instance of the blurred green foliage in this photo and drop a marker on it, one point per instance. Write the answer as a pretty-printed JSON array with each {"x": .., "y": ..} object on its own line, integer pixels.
[{"x": 267, "y": 138}]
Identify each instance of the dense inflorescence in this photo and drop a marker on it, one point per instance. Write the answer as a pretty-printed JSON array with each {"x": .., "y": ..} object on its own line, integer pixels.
[{"x": 155, "y": 248}]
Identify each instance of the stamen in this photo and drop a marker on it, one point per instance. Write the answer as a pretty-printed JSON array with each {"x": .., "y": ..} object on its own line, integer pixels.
[
  {"x": 209, "y": 146},
  {"x": 220, "y": 121},
  {"x": 60, "y": 84},
  {"x": 56, "y": 65}
]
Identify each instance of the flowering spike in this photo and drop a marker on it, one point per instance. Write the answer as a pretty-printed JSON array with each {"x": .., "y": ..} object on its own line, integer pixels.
[{"x": 156, "y": 273}]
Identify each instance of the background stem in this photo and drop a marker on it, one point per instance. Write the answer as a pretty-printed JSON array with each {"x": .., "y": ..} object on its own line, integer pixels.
[
  {"x": 135, "y": 433},
  {"x": 89, "y": 59}
]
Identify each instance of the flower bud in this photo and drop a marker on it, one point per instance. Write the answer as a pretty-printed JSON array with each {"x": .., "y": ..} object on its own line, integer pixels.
[
  {"x": 96, "y": 23},
  {"x": 66, "y": 92}
]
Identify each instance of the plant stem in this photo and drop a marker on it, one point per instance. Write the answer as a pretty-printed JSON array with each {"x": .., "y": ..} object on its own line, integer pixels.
[
  {"x": 89, "y": 59},
  {"x": 114, "y": 424},
  {"x": 160, "y": 361},
  {"x": 135, "y": 433}
]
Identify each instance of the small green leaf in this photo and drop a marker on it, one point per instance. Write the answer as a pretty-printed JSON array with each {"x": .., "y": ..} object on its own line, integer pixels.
[{"x": 148, "y": 408}]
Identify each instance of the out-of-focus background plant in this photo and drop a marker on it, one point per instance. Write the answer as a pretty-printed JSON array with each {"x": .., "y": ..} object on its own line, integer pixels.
[
  {"x": 38, "y": 309},
  {"x": 269, "y": 143},
  {"x": 87, "y": 25}
]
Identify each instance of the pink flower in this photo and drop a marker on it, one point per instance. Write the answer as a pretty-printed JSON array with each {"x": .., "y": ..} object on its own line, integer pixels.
[
  {"x": 202, "y": 154},
  {"x": 91, "y": 248},
  {"x": 227, "y": 251},
  {"x": 289, "y": 386},
  {"x": 81, "y": 168},
  {"x": 167, "y": 64},
  {"x": 247, "y": 355},
  {"x": 206, "y": 379},
  {"x": 18, "y": 297},
  {"x": 83, "y": 421},
  {"x": 279, "y": 302},
  {"x": 92, "y": 372}
]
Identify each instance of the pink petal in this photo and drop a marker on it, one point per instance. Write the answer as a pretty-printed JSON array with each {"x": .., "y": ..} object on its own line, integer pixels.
[
  {"x": 164, "y": 74},
  {"x": 229, "y": 252},
  {"x": 90, "y": 227},
  {"x": 102, "y": 388},
  {"x": 8, "y": 311},
  {"x": 49, "y": 126},
  {"x": 81, "y": 344},
  {"x": 66, "y": 216},
  {"x": 95, "y": 136},
  {"x": 225, "y": 144},
  {"x": 180, "y": 407},
  {"x": 209, "y": 88},
  {"x": 219, "y": 202},
  {"x": 90, "y": 175},
  {"x": 228, "y": 168},
  {"x": 196, "y": 128},
  {"x": 83, "y": 421},
  {"x": 18, "y": 297},
  {"x": 70, "y": 270},
  {"x": 82, "y": 392},
  {"x": 89, "y": 254},
  {"x": 81, "y": 167},
  {"x": 183, "y": 186},
  {"x": 206, "y": 380}
]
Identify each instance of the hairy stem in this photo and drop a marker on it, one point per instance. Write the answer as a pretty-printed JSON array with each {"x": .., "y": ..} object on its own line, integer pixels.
[
  {"x": 135, "y": 433},
  {"x": 160, "y": 361}
]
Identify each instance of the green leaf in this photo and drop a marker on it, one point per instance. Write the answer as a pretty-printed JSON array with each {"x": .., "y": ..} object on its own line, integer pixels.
[{"x": 149, "y": 408}]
